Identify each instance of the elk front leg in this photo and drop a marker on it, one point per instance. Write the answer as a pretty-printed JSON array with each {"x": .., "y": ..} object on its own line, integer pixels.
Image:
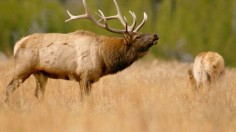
[{"x": 41, "y": 81}]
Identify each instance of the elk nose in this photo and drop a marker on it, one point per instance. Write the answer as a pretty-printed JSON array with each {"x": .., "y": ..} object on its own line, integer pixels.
[{"x": 156, "y": 37}]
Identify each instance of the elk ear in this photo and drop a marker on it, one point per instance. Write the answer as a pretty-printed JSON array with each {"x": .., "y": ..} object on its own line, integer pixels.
[{"x": 127, "y": 37}]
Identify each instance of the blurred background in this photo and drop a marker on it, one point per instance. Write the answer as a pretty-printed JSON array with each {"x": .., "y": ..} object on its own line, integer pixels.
[{"x": 185, "y": 27}]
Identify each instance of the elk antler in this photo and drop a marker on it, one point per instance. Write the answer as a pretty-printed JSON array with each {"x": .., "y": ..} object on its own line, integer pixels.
[
  {"x": 119, "y": 16},
  {"x": 142, "y": 23}
]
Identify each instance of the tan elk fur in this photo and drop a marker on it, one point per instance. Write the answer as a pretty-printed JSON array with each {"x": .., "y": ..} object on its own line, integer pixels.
[{"x": 207, "y": 68}]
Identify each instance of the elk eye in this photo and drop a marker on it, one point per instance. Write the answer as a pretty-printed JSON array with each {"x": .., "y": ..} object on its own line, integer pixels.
[{"x": 137, "y": 37}]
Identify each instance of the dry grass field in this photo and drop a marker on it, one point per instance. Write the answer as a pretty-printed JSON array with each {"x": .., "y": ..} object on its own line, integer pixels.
[{"x": 146, "y": 97}]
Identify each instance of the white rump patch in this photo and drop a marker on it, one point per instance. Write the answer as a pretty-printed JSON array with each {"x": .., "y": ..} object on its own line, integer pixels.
[{"x": 17, "y": 45}]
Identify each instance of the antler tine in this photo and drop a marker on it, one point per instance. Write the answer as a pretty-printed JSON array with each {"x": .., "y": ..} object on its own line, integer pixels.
[
  {"x": 106, "y": 25},
  {"x": 119, "y": 16},
  {"x": 86, "y": 15},
  {"x": 102, "y": 17},
  {"x": 142, "y": 23},
  {"x": 126, "y": 25},
  {"x": 131, "y": 28},
  {"x": 72, "y": 17}
]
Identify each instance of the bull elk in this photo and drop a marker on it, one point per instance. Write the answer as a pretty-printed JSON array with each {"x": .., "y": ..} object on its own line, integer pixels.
[
  {"x": 81, "y": 56},
  {"x": 207, "y": 68}
]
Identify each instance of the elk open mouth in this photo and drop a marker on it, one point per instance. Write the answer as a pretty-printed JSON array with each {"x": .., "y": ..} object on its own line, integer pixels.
[{"x": 154, "y": 41}]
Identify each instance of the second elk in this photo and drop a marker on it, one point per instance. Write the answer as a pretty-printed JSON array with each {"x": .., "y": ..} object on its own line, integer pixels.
[{"x": 207, "y": 68}]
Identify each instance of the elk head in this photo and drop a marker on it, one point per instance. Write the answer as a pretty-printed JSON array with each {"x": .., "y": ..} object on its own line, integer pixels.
[{"x": 142, "y": 42}]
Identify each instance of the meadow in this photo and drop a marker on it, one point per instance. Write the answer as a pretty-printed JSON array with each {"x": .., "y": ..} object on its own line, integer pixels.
[{"x": 149, "y": 96}]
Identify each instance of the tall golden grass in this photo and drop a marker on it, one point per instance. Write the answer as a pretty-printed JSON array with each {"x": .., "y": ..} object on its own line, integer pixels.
[{"x": 146, "y": 97}]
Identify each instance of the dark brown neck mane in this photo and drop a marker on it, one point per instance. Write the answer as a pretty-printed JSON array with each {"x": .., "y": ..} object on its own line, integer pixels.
[{"x": 116, "y": 54}]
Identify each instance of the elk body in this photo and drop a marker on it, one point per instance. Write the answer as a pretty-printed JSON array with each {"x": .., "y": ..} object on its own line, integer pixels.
[
  {"x": 207, "y": 68},
  {"x": 81, "y": 56}
]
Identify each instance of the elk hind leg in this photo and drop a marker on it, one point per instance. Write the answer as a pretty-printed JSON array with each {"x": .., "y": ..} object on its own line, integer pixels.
[
  {"x": 192, "y": 79},
  {"x": 17, "y": 80},
  {"x": 41, "y": 81}
]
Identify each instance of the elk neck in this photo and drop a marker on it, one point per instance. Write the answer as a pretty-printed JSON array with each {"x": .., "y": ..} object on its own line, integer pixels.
[{"x": 116, "y": 54}]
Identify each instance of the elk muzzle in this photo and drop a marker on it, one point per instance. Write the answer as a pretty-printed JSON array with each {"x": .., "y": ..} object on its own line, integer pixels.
[{"x": 155, "y": 39}]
